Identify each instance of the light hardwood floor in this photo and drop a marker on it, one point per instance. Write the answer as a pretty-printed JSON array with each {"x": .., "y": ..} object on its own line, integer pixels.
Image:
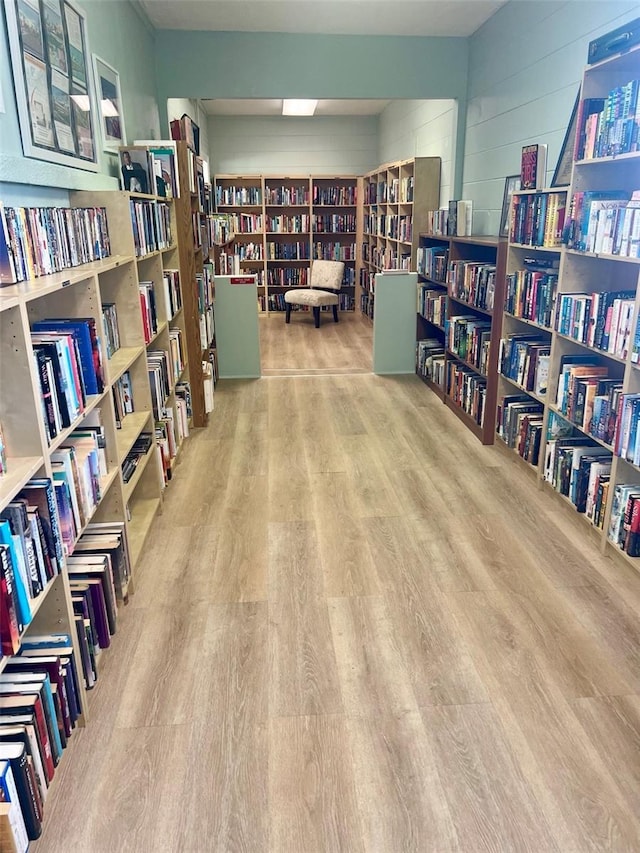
[
  {"x": 357, "y": 629},
  {"x": 300, "y": 348}
]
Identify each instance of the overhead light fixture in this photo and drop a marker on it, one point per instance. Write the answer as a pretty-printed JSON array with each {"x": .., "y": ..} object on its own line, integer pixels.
[{"x": 298, "y": 108}]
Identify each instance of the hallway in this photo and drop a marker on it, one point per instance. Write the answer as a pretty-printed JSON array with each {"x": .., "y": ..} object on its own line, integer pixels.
[{"x": 357, "y": 629}]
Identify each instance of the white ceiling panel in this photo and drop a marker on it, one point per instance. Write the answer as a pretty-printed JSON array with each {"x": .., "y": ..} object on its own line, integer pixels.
[{"x": 273, "y": 107}]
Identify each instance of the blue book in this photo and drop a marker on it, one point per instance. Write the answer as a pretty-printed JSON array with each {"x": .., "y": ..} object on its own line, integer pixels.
[
  {"x": 81, "y": 332},
  {"x": 19, "y": 569}
]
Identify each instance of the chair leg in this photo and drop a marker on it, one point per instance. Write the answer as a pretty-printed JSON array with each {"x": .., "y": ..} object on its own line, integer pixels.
[
  {"x": 335, "y": 313},
  {"x": 316, "y": 317},
  {"x": 287, "y": 318}
]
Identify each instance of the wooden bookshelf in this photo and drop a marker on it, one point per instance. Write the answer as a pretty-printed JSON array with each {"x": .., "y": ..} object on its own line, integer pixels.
[
  {"x": 396, "y": 199},
  {"x": 441, "y": 262},
  {"x": 283, "y": 222},
  {"x": 580, "y": 275}
]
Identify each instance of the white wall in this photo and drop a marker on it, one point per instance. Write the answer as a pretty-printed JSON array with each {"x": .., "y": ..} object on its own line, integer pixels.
[
  {"x": 525, "y": 65},
  {"x": 297, "y": 146},
  {"x": 421, "y": 129}
]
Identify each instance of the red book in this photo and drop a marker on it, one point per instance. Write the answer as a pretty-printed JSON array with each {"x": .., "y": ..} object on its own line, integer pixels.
[
  {"x": 145, "y": 318},
  {"x": 32, "y": 704},
  {"x": 9, "y": 628}
]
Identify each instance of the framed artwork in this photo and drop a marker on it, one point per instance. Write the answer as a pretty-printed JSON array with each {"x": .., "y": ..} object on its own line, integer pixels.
[
  {"x": 562, "y": 174},
  {"x": 52, "y": 81},
  {"x": 511, "y": 186},
  {"x": 109, "y": 97}
]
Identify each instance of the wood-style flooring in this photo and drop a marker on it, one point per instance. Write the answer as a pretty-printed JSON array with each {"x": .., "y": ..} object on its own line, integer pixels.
[
  {"x": 300, "y": 348},
  {"x": 357, "y": 629}
]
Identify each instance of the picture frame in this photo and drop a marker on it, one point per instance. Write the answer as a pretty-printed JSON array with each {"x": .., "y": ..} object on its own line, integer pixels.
[
  {"x": 562, "y": 173},
  {"x": 511, "y": 186},
  {"x": 52, "y": 77},
  {"x": 109, "y": 99}
]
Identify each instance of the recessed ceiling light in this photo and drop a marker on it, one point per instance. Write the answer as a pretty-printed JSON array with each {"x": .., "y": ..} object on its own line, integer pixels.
[{"x": 298, "y": 107}]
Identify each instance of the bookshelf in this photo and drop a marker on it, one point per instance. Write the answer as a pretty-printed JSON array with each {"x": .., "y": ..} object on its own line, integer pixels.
[
  {"x": 281, "y": 223},
  {"x": 396, "y": 200},
  {"x": 459, "y": 320},
  {"x": 587, "y": 328}
]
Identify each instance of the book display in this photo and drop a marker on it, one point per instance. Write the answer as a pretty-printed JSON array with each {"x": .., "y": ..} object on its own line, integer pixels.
[
  {"x": 569, "y": 382},
  {"x": 396, "y": 200},
  {"x": 460, "y": 291},
  {"x": 281, "y": 223}
]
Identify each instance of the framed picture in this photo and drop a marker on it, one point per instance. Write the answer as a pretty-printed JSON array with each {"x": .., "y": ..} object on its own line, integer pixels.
[
  {"x": 511, "y": 186},
  {"x": 51, "y": 76},
  {"x": 562, "y": 174},
  {"x": 109, "y": 98}
]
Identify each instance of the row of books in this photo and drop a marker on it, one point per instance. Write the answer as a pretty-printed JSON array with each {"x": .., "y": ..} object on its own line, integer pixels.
[
  {"x": 391, "y": 226},
  {"x": 455, "y": 220},
  {"x": 433, "y": 262},
  {"x": 68, "y": 363},
  {"x": 624, "y": 522},
  {"x": 110, "y": 327},
  {"x": 288, "y": 276},
  {"x": 519, "y": 424},
  {"x": 288, "y": 224},
  {"x": 31, "y": 555},
  {"x": 604, "y": 221},
  {"x": 122, "y": 391},
  {"x": 172, "y": 292},
  {"x": 525, "y": 360},
  {"x": 148, "y": 309},
  {"x": 170, "y": 432},
  {"x": 39, "y": 710},
  {"x": 335, "y": 196},
  {"x": 587, "y": 396},
  {"x": 467, "y": 390},
  {"x": 430, "y": 360},
  {"x": 531, "y": 295},
  {"x": 248, "y": 251},
  {"x": 40, "y": 684},
  {"x": 151, "y": 226},
  {"x": 396, "y": 191},
  {"x": 538, "y": 219},
  {"x": 237, "y": 196},
  {"x": 289, "y": 196},
  {"x": 78, "y": 468},
  {"x": 334, "y": 251},
  {"x": 608, "y": 127},
  {"x": 138, "y": 451},
  {"x": 176, "y": 354},
  {"x": 297, "y": 251},
  {"x": 205, "y": 285},
  {"x": 600, "y": 320},
  {"x": 468, "y": 337},
  {"x": 36, "y": 241},
  {"x": 432, "y": 305},
  {"x": 223, "y": 226},
  {"x": 367, "y": 303},
  {"x": 160, "y": 376},
  {"x": 580, "y": 470},
  {"x": 336, "y": 223},
  {"x": 626, "y": 438},
  {"x": 473, "y": 282}
]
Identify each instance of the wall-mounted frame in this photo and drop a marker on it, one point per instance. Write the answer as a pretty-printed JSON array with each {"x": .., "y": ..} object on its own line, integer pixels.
[
  {"x": 109, "y": 96},
  {"x": 51, "y": 67},
  {"x": 511, "y": 186},
  {"x": 562, "y": 173}
]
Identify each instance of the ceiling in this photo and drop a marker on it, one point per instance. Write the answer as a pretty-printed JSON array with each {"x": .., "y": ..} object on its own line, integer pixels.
[
  {"x": 335, "y": 17},
  {"x": 273, "y": 107}
]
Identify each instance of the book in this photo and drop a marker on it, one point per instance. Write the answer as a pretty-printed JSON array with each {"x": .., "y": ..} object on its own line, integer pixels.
[
  {"x": 14, "y": 830},
  {"x": 533, "y": 167},
  {"x": 25, "y": 787}
]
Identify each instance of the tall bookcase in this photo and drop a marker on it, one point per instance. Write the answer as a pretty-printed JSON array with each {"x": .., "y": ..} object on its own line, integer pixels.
[
  {"x": 459, "y": 319},
  {"x": 283, "y": 222},
  {"x": 583, "y": 322},
  {"x": 396, "y": 200}
]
